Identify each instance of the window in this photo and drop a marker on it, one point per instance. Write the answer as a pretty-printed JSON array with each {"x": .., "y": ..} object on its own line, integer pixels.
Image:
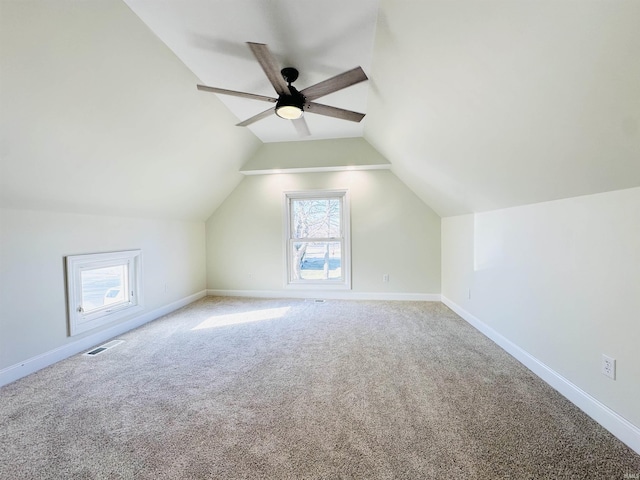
[
  {"x": 317, "y": 239},
  {"x": 102, "y": 288}
]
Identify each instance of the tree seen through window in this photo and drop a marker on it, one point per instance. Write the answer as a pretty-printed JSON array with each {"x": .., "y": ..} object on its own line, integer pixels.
[{"x": 317, "y": 230}]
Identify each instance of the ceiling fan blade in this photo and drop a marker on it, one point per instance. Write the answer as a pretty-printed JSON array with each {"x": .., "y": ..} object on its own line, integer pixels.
[
  {"x": 270, "y": 67},
  {"x": 333, "y": 112},
  {"x": 301, "y": 127},
  {"x": 252, "y": 96},
  {"x": 255, "y": 118},
  {"x": 334, "y": 84}
]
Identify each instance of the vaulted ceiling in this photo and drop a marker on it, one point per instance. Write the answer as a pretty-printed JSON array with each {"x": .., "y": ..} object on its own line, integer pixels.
[
  {"x": 476, "y": 105},
  {"x": 320, "y": 39}
]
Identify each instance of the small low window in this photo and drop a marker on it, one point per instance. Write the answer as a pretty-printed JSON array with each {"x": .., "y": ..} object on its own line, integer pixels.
[{"x": 102, "y": 288}]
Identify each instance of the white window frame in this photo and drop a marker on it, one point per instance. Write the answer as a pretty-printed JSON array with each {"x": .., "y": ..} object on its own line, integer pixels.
[
  {"x": 81, "y": 321},
  {"x": 345, "y": 240}
]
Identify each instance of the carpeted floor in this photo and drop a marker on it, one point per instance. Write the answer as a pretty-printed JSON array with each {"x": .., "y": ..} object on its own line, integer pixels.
[{"x": 260, "y": 388}]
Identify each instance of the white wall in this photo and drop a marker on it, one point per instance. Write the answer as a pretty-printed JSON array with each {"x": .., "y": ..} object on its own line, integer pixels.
[
  {"x": 561, "y": 280},
  {"x": 33, "y": 244},
  {"x": 392, "y": 231}
]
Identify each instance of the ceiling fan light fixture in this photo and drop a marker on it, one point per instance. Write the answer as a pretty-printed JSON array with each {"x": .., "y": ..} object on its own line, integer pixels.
[
  {"x": 288, "y": 109},
  {"x": 289, "y": 112}
]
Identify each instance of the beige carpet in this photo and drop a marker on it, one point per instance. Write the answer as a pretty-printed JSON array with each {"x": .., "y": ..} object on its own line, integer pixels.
[{"x": 258, "y": 388}]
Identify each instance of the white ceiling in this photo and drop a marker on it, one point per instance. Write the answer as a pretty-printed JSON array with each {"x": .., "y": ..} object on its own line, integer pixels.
[
  {"x": 319, "y": 38},
  {"x": 477, "y": 105},
  {"x": 97, "y": 116},
  {"x": 489, "y": 104}
]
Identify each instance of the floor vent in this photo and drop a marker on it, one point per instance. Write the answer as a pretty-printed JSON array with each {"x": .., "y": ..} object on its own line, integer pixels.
[
  {"x": 103, "y": 348},
  {"x": 319, "y": 300}
]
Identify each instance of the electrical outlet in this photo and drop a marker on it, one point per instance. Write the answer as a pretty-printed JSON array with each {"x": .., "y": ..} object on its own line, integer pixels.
[
  {"x": 609, "y": 366},
  {"x": 385, "y": 278}
]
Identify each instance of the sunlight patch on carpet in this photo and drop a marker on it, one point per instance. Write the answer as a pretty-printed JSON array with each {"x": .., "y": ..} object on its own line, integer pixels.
[{"x": 243, "y": 317}]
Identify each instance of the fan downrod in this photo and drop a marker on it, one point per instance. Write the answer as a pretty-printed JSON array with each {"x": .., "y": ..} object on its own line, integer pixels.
[{"x": 289, "y": 74}]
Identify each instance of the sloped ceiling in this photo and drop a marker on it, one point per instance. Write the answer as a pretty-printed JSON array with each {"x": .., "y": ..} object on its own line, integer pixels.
[
  {"x": 490, "y": 104},
  {"x": 98, "y": 116},
  {"x": 476, "y": 105}
]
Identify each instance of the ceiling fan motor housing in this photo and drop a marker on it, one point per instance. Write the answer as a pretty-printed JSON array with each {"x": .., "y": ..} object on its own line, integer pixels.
[{"x": 289, "y": 74}]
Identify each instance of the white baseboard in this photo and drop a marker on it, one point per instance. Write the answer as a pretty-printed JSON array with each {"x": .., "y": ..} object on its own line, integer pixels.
[
  {"x": 33, "y": 364},
  {"x": 327, "y": 294},
  {"x": 616, "y": 424}
]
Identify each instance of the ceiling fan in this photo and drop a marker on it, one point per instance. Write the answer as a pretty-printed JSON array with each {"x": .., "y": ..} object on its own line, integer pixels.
[{"x": 291, "y": 103}]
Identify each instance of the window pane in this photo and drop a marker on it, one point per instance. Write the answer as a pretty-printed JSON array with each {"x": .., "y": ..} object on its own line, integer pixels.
[
  {"x": 316, "y": 261},
  {"x": 104, "y": 286},
  {"x": 316, "y": 218}
]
